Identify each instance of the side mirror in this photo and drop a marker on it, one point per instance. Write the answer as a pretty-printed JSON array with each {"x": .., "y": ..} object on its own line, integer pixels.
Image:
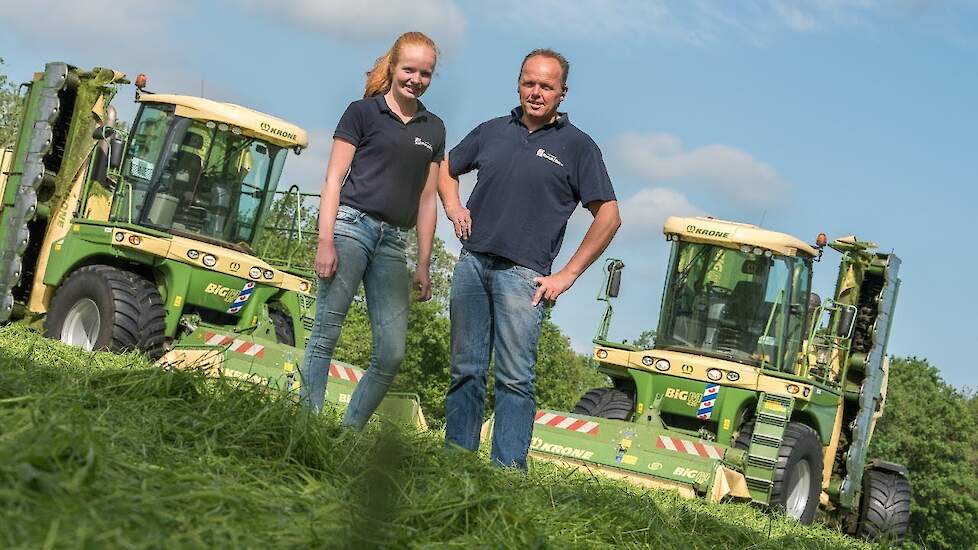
[
  {"x": 614, "y": 277},
  {"x": 116, "y": 148},
  {"x": 111, "y": 136},
  {"x": 847, "y": 317}
]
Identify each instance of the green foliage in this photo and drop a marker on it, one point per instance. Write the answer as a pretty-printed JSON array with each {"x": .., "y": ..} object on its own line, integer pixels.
[
  {"x": 10, "y": 109},
  {"x": 645, "y": 340},
  {"x": 932, "y": 428},
  {"x": 103, "y": 451},
  {"x": 291, "y": 231},
  {"x": 562, "y": 375}
]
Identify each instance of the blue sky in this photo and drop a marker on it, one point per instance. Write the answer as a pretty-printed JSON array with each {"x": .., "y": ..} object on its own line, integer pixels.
[{"x": 843, "y": 116}]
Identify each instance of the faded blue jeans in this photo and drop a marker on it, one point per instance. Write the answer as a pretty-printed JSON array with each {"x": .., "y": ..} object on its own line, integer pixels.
[
  {"x": 371, "y": 251},
  {"x": 492, "y": 311}
]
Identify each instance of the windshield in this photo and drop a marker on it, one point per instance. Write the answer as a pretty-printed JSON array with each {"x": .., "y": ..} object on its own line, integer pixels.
[
  {"x": 198, "y": 178},
  {"x": 731, "y": 304}
]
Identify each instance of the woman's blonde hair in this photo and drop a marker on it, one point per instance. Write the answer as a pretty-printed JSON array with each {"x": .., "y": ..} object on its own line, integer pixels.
[{"x": 380, "y": 76}]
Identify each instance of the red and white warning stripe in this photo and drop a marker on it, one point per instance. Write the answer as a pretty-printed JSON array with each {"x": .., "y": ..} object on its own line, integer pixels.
[
  {"x": 235, "y": 344},
  {"x": 688, "y": 447},
  {"x": 566, "y": 423},
  {"x": 350, "y": 374}
]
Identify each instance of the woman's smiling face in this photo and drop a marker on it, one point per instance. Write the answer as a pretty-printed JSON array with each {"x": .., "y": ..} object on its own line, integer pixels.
[{"x": 412, "y": 72}]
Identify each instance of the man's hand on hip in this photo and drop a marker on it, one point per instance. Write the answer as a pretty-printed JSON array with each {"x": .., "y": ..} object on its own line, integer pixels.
[{"x": 553, "y": 286}]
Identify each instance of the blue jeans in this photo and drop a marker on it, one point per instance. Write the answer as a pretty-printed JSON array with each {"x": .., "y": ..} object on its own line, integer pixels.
[
  {"x": 492, "y": 309},
  {"x": 371, "y": 251}
]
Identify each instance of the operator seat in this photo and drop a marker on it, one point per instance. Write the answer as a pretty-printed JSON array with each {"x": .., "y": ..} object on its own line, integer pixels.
[
  {"x": 739, "y": 328},
  {"x": 187, "y": 163}
]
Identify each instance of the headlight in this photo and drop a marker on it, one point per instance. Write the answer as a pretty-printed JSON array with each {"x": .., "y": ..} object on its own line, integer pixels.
[
  {"x": 714, "y": 374},
  {"x": 733, "y": 376},
  {"x": 304, "y": 286},
  {"x": 268, "y": 273},
  {"x": 119, "y": 237},
  {"x": 193, "y": 254},
  {"x": 601, "y": 354},
  {"x": 210, "y": 260},
  {"x": 647, "y": 361},
  {"x": 662, "y": 365},
  {"x": 254, "y": 273}
]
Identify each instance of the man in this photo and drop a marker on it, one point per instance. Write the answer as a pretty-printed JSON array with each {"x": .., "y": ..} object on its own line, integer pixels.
[{"x": 534, "y": 168}]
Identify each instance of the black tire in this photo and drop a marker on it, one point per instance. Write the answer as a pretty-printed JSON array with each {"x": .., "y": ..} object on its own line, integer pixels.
[
  {"x": 128, "y": 307},
  {"x": 885, "y": 510},
  {"x": 152, "y": 319},
  {"x": 799, "y": 444},
  {"x": 606, "y": 403},
  {"x": 284, "y": 332}
]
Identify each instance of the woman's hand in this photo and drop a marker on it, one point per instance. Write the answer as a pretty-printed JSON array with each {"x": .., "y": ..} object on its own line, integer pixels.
[
  {"x": 422, "y": 279},
  {"x": 325, "y": 259}
]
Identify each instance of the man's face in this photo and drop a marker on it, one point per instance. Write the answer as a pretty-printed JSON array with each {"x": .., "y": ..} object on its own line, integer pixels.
[{"x": 541, "y": 88}]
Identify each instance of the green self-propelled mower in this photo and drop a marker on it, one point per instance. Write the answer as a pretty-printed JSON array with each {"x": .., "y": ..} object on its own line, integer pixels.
[
  {"x": 755, "y": 388},
  {"x": 148, "y": 239}
]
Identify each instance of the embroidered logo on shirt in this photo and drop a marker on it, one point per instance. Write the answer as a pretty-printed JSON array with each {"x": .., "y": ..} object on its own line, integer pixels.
[
  {"x": 548, "y": 156},
  {"x": 423, "y": 143}
]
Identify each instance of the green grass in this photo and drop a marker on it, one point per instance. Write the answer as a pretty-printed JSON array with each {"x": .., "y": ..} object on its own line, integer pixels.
[{"x": 101, "y": 450}]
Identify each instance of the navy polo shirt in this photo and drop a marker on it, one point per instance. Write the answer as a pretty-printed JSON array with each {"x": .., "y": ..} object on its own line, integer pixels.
[
  {"x": 527, "y": 186},
  {"x": 392, "y": 160}
]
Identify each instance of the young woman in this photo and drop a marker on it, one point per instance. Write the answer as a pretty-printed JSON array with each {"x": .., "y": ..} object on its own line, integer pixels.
[{"x": 381, "y": 181}]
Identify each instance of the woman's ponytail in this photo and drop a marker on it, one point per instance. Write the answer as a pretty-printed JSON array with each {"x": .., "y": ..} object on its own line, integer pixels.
[{"x": 380, "y": 76}]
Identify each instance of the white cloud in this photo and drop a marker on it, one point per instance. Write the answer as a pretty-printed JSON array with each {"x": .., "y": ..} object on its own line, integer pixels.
[
  {"x": 794, "y": 16},
  {"x": 699, "y": 22},
  {"x": 132, "y": 37},
  {"x": 366, "y": 20},
  {"x": 107, "y": 21},
  {"x": 662, "y": 159},
  {"x": 591, "y": 19},
  {"x": 644, "y": 213}
]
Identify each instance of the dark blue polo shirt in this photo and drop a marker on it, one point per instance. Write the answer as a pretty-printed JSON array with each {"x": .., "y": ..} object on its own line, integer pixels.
[
  {"x": 527, "y": 186},
  {"x": 392, "y": 159}
]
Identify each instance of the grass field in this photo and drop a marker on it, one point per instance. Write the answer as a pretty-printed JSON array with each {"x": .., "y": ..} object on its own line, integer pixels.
[{"x": 103, "y": 451}]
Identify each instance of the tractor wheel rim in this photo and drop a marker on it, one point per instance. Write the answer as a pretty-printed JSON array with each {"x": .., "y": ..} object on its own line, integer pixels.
[
  {"x": 800, "y": 490},
  {"x": 82, "y": 324}
]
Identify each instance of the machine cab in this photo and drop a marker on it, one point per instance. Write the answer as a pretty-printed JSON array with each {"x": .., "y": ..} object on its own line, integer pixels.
[
  {"x": 735, "y": 292},
  {"x": 202, "y": 169}
]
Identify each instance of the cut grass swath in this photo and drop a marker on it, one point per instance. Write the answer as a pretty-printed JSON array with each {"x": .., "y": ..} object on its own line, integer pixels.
[{"x": 101, "y": 450}]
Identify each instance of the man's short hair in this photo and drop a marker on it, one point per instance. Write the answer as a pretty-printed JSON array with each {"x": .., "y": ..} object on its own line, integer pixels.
[{"x": 547, "y": 52}]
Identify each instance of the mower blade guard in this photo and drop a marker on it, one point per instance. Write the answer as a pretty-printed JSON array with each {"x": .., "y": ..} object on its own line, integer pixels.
[
  {"x": 223, "y": 353},
  {"x": 645, "y": 455}
]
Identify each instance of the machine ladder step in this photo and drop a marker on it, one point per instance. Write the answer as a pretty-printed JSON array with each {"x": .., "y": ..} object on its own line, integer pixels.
[{"x": 773, "y": 414}]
